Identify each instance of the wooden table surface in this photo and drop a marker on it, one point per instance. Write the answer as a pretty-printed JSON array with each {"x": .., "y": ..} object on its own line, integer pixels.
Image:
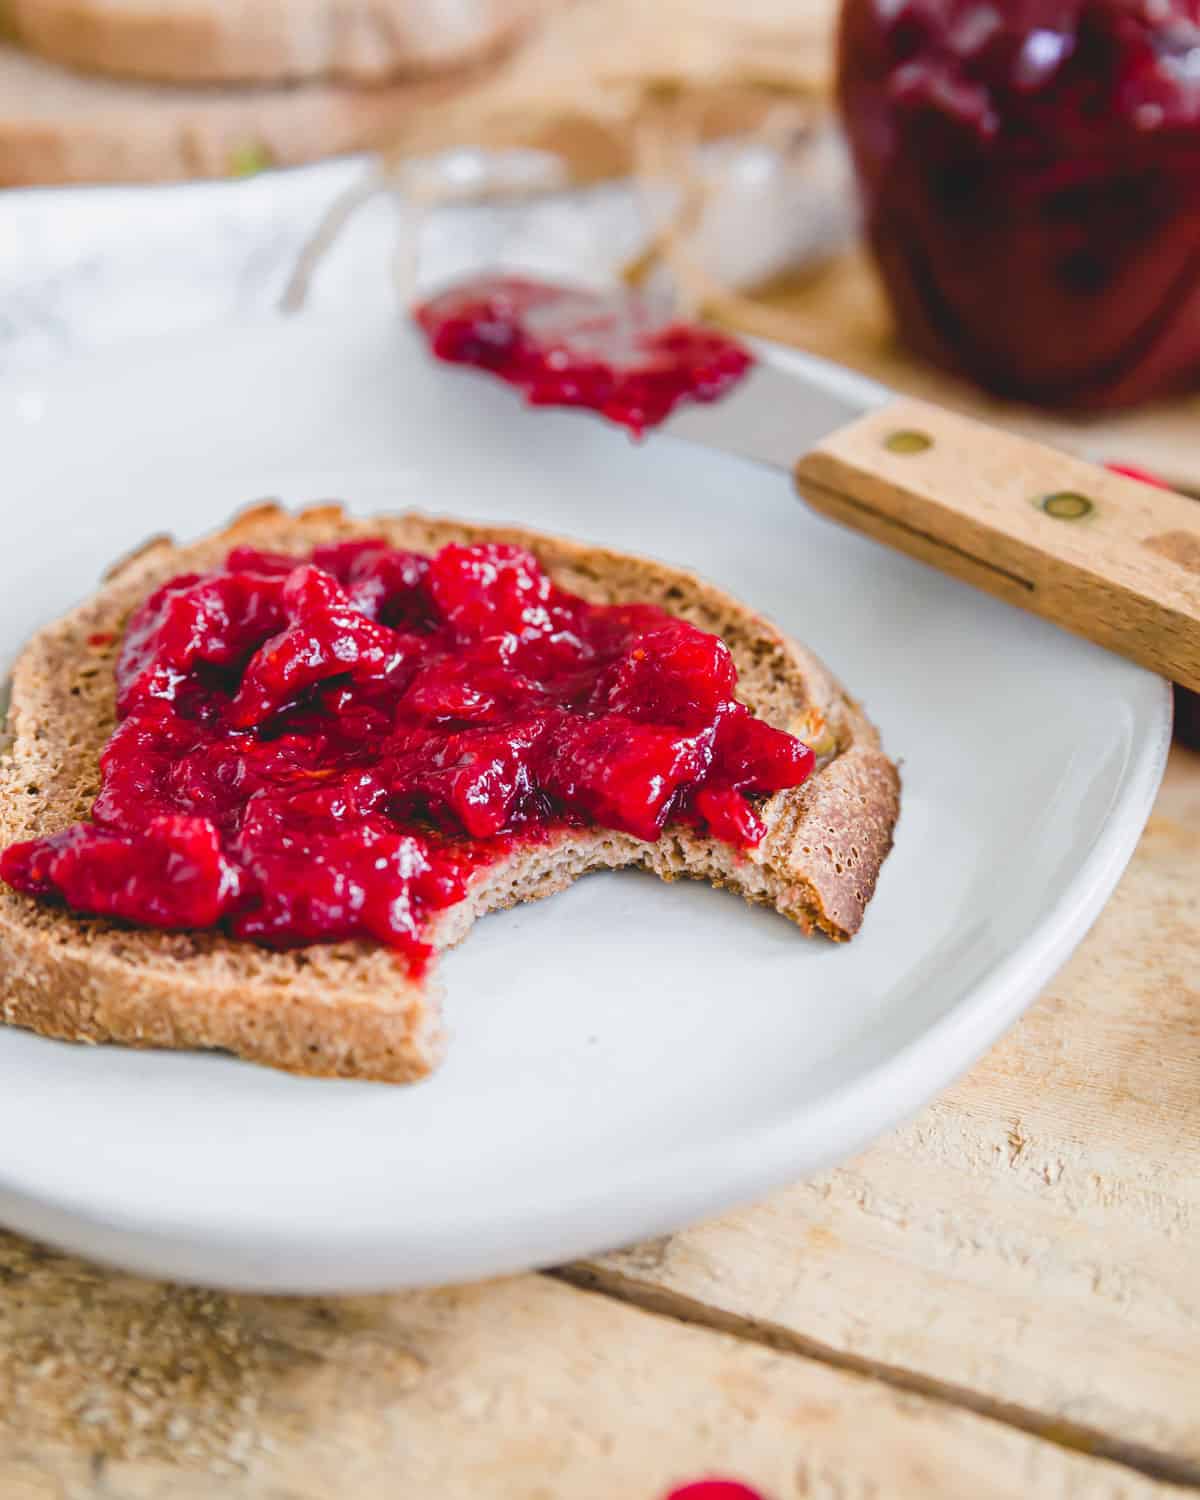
[{"x": 1002, "y": 1298}]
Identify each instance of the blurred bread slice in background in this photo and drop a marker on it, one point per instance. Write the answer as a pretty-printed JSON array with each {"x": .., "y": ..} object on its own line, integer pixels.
[
  {"x": 264, "y": 41},
  {"x": 572, "y": 77},
  {"x": 59, "y": 127}
]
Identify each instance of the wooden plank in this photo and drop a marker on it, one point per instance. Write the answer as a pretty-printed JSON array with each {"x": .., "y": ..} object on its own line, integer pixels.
[
  {"x": 1031, "y": 1238},
  {"x": 118, "y": 1389}
]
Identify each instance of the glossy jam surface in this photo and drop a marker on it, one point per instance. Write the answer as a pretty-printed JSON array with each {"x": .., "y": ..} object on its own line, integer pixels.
[
  {"x": 330, "y": 748},
  {"x": 1031, "y": 180},
  {"x": 562, "y": 346}
]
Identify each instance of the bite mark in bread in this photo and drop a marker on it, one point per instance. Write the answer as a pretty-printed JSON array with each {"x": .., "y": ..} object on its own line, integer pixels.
[{"x": 347, "y": 1009}]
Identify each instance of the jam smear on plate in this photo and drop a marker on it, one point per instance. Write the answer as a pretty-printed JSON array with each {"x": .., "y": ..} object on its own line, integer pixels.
[
  {"x": 567, "y": 346},
  {"x": 311, "y": 750}
]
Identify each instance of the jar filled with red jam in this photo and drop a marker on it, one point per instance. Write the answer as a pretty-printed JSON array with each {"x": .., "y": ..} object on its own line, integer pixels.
[{"x": 1030, "y": 172}]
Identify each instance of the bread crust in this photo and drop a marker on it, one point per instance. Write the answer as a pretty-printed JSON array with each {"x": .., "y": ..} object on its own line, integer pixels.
[
  {"x": 350, "y": 1009},
  {"x": 62, "y": 127},
  {"x": 266, "y": 41}
]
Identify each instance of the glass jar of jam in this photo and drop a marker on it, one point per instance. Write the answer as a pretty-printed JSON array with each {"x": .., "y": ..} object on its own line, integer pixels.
[{"x": 1030, "y": 171}]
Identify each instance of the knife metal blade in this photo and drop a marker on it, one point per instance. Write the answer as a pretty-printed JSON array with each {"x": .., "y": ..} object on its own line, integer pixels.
[{"x": 776, "y": 414}]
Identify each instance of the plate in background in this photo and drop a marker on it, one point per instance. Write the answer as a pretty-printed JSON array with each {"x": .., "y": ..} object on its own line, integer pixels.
[{"x": 626, "y": 1056}]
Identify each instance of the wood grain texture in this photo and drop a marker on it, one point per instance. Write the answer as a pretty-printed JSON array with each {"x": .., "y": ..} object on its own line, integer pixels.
[
  {"x": 1030, "y": 1239},
  {"x": 1026, "y": 1243},
  {"x": 118, "y": 1389},
  {"x": 979, "y": 503}
]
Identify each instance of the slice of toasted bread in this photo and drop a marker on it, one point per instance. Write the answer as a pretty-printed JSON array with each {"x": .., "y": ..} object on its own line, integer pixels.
[
  {"x": 349, "y": 1009},
  {"x": 60, "y": 127},
  {"x": 265, "y": 41}
]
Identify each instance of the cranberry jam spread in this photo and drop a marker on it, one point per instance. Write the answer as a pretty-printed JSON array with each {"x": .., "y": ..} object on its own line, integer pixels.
[
  {"x": 564, "y": 346},
  {"x": 1031, "y": 178},
  {"x": 330, "y": 748}
]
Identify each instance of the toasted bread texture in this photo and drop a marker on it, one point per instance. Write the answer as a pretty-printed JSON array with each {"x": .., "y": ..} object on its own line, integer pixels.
[
  {"x": 351, "y": 1009},
  {"x": 265, "y": 41},
  {"x": 62, "y": 127}
]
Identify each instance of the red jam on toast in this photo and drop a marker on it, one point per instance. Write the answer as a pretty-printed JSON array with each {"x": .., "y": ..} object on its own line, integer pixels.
[{"x": 312, "y": 750}]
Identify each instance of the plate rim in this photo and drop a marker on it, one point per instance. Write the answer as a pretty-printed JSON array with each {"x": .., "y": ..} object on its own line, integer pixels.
[{"x": 760, "y": 1158}]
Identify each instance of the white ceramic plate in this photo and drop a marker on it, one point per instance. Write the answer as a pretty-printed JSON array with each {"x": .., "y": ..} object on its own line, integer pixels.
[{"x": 627, "y": 1056}]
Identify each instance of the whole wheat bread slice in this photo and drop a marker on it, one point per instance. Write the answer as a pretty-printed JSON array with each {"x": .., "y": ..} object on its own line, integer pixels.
[
  {"x": 60, "y": 127},
  {"x": 265, "y": 41},
  {"x": 350, "y": 1009}
]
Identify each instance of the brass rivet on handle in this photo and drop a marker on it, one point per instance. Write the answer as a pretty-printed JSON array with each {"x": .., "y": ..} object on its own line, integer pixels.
[
  {"x": 1066, "y": 505},
  {"x": 907, "y": 441}
]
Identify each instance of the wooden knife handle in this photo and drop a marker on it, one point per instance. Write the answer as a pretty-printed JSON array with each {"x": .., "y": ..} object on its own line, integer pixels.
[{"x": 1110, "y": 558}]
